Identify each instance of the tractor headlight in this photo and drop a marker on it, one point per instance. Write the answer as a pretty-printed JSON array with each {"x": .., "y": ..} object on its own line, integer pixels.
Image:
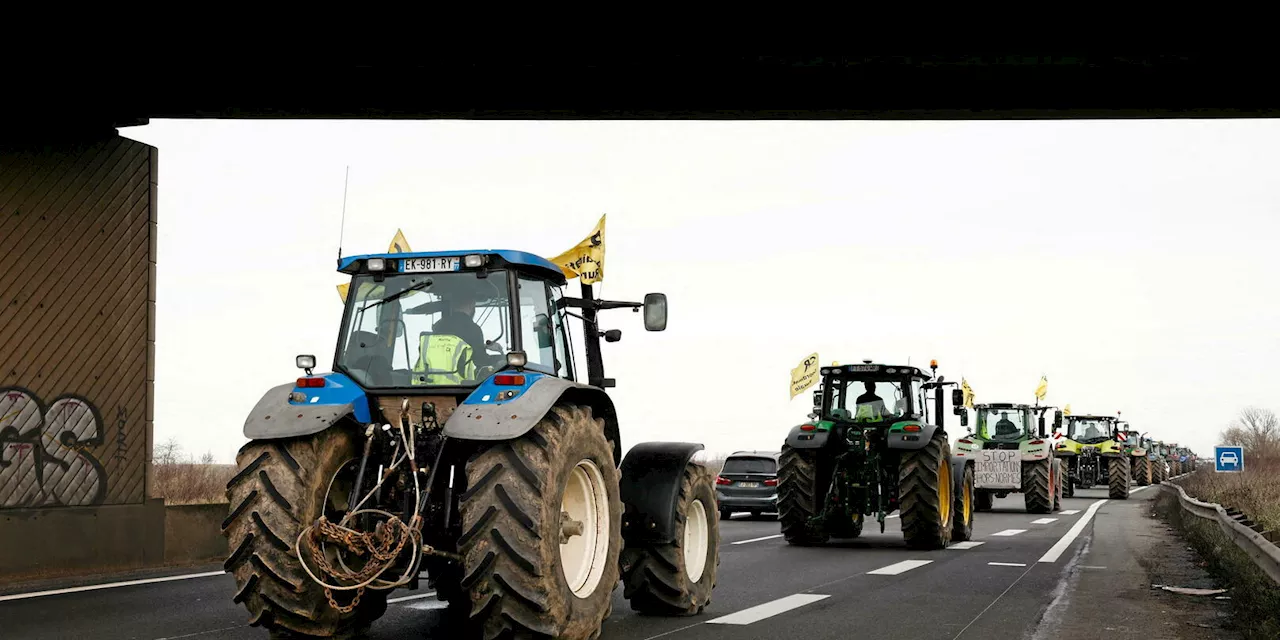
[
  {"x": 473, "y": 261},
  {"x": 517, "y": 359},
  {"x": 305, "y": 362},
  {"x": 377, "y": 264}
]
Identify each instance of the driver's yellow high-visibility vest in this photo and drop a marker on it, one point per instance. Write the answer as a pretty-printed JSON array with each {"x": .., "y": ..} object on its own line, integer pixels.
[
  {"x": 869, "y": 412},
  {"x": 444, "y": 359}
]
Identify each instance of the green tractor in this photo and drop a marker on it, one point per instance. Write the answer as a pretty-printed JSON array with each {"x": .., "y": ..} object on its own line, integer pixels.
[
  {"x": 1012, "y": 456},
  {"x": 1135, "y": 446},
  {"x": 1157, "y": 454},
  {"x": 1092, "y": 448},
  {"x": 1174, "y": 457},
  {"x": 871, "y": 448}
]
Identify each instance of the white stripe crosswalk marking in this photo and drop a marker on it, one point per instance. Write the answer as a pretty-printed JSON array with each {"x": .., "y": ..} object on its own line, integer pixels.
[
  {"x": 1071, "y": 512},
  {"x": 1055, "y": 552},
  {"x": 768, "y": 609},
  {"x": 1009, "y": 532},
  {"x": 965, "y": 545},
  {"x": 1044, "y": 521},
  {"x": 899, "y": 567}
]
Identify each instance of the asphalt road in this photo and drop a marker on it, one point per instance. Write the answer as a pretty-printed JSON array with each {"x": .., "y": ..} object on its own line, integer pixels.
[{"x": 999, "y": 585}]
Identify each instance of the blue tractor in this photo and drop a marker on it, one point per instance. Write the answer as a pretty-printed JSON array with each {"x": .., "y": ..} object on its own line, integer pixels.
[{"x": 454, "y": 439}]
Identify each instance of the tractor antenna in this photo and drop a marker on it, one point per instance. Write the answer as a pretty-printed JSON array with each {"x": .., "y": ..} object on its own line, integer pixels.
[{"x": 342, "y": 227}]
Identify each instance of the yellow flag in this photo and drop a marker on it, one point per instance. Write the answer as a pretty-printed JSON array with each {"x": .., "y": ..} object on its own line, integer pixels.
[
  {"x": 803, "y": 376},
  {"x": 342, "y": 290},
  {"x": 585, "y": 259},
  {"x": 1066, "y": 411},
  {"x": 968, "y": 392},
  {"x": 399, "y": 244},
  {"x": 1043, "y": 389}
]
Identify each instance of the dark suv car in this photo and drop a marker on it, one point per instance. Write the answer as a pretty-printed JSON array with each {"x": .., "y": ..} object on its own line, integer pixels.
[{"x": 748, "y": 482}]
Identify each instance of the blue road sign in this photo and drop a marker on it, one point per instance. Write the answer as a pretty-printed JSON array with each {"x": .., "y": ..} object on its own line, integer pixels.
[{"x": 1228, "y": 458}]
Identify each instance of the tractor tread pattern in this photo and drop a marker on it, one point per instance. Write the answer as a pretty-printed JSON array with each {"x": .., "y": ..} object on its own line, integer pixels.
[
  {"x": 797, "y": 496},
  {"x": 512, "y": 584},
  {"x": 1118, "y": 479},
  {"x": 919, "y": 502},
  {"x": 653, "y": 576},
  {"x": 280, "y": 486},
  {"x": 1036, "y": 492}
]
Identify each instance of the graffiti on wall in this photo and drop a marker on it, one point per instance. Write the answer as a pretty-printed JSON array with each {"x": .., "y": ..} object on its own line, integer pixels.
[{"x": 44, "y": 455}]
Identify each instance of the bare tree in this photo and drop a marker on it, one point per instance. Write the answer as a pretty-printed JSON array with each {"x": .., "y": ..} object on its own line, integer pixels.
[
  {"x": 1257, "y": 430},
  {"x": 168, "y": 453},
  {"x": 207, "y": 458}
]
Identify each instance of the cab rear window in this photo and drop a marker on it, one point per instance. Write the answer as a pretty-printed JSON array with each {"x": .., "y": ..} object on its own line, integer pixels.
[{"x": 750, "y": 465}]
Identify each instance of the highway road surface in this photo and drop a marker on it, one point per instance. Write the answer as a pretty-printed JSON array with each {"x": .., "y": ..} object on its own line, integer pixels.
[{"x": 1018, "y": 578}]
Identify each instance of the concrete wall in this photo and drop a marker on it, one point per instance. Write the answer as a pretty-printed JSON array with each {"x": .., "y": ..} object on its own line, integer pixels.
[
  {"x": 193, "y": 533},
  {"x": 77, "y": 352}
]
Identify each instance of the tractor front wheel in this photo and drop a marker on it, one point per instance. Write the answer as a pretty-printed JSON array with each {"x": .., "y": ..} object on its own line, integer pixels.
[
  {"x": 798, "y": 496},
  {"x": 1060, "y": 473},
  {"x": 1038, "y": 489},
  {"x": 281, "y": 488},
  {"x": 542, "y": 530},
  {"x": 985, "y": 500},
  {"x": 1118, "y": 479},
  {"x": 925, "y": 494},
  {"x": 962, "y": 528},
  {"x": 676, "y": 579}
]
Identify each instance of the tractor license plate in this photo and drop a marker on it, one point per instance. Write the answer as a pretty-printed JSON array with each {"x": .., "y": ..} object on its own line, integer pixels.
[
  {"x": 429, "y": 265},
  {"x": 748, "y": 485},
  {"x": 864, "y": 367}
]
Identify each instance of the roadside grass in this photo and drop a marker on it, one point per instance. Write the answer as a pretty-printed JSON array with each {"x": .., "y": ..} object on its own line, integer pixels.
[
  {"x": 1255, "y": 598},
  {"x": 188, "y": 483}
]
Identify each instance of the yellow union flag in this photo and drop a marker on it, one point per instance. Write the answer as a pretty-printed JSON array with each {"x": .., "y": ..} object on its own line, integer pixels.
[
  {"x": 803, "y": 376},
  {"x": 586, "y": 259},
  {"x": 398, "y": 245}
]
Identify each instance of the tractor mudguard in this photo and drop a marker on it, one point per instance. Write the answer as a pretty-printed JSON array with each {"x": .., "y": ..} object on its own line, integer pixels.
[
  {"x": 650, "y": 490},
  {"x": 800, "y": 439},
  {"x": 897, "y": 438},
  {"x": 487, "y": 415},
  {"x": 277, "y": 416},
  {"x": 958, "y": 465}
]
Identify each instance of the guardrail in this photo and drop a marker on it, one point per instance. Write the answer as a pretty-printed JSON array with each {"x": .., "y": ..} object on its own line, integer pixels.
[{"x": 1247, "y": 534}]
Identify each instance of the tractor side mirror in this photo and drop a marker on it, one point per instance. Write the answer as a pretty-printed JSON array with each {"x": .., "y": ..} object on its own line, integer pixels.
[
  {"x": 817, "y": 398},
  {"x": 957, "y": 397},
  {"x": 655, "y": 311},
  {"x": 612, "y": 335},
  {"x": 542, "y": 329},
  {"x": 1057, "y": 422}
]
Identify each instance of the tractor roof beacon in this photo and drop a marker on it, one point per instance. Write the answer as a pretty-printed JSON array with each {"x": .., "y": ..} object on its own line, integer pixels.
[
  {"x": 871, "y": 448},
  {"x": 454, "y": 437},
  {"x": 1013, "y": 456}
]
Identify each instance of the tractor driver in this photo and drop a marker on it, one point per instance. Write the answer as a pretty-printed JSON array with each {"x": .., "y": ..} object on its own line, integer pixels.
[
  {"x": 1006, "y": 427},
  {"x": 870, "y": 406},
  {"x": 458, "y": 319}
]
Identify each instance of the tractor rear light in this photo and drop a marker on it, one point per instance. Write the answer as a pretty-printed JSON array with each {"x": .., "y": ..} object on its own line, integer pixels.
[
  {"x": 772, "y": 482},
  {"x": 721, "y": 480},
  {"x": 1036, "y": 442},
  {"x": 965, "y": 441},
  {"x": 509, "y": 380},
  {"x": 911, "y": 428},
  {"x": 808, "y": 427},
  {"x": 310, "y": 383}
]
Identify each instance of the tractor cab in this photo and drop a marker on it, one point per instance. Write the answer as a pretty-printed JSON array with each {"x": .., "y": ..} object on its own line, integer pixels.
[
  {"x": 1091, "y": 430},
  {"x": 1003, "y": 423},
  {"x": 872, "y": 394}
]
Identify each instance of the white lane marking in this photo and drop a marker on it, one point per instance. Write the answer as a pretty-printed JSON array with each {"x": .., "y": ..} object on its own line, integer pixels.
[
  {"x": 1055, "y": 552},
  {"x": 965, "y": 545},
  {"x": 899, "y": 567},
  {"x": 199, "y": 633},
  {"x": 1044, "y": 521},
  {"x": 1085, "y": 566},
  {"x": 417, "y": 596},
  {"x": 427, "y": 605},
  {"x": 768, "y": 609},
  {"x": 111, "y": 585},
  {"x": 1009, "y": 532},
  {"x": 1007, "y": 564},
  {"x": 757, "y": 539},
  {"x": 1071, "y": 512},
  {"x": 892, "y": 516}
]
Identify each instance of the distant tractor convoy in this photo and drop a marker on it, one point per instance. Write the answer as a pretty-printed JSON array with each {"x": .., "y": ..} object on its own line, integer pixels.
[{"x": 454, "y": 441}]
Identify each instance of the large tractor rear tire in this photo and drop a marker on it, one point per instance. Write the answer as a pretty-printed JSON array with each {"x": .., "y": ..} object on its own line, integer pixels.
[
  {"x": 962, "y": 512},
  {"x": 1159, "y": 472},
  {"x": 676, "y": 579},
  {"x": 1038, "y": 490},
  {"x": 542, "y": 530},
  {"x": 1143, "y": 476},
  {"x": 1118, "y": 478},
  {"x": 1059, "y": 485},
  {"x": 797, "y": 496},
  {"x": 925, "y": 497},
  {"x": 279, "y": 490}
]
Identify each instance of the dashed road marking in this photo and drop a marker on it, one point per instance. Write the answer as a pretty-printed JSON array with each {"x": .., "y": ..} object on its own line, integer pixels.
[
  {"x": 758, "y": 539},
  {"x": 1009, "y": 532},
  {"x": 1007, "y": 564},
  {"x": 416, "y": 596},
  {"x": 1044, "y": 521},
  {"x": 965, "y": 545},
  {"x": 768, "y": 609},
  {"x": 427, "y": 605},
  {"x": 1071, "y": 512},
  {"x": 1055, "y": 552},
  {"x": 110, "y": 585},
  {"x": 899, "y": 567}
]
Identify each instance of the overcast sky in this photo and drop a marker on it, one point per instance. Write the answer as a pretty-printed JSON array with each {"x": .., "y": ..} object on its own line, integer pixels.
[{"x": 1132, "y": 262}]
